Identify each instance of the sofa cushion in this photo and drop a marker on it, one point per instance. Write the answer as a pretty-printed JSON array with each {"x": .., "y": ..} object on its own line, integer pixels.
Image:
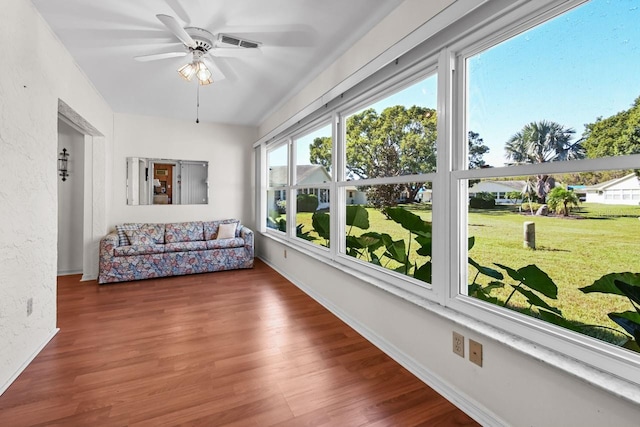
[
  {"x": 183, "y": 232},
  {"x": 211, "y": 228},
  {"x": 121, "y": 229},
  {"x": 236, "y": 242},
  {"x": 185, "y": 246},
  {"x": 138, "y": 250},
  {"x": 154, "y": 231}
]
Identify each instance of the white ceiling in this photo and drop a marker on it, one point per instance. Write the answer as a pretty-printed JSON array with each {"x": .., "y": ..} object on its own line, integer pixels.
[{"x": 300, "y": 38}]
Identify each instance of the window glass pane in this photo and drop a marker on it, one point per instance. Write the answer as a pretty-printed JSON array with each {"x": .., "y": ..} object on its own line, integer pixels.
[
  {"x": 312, "y": 215},
  {"x": 395, "y": 238},
  {"x": 313, "y": 157},
  {"x": 277, "y": 166},
  {"x": 556, "y": 255},
  {"x": 277, "y": 209},
  {"x": 395, "y": 136},
  {"x": 566, "y": 89}
]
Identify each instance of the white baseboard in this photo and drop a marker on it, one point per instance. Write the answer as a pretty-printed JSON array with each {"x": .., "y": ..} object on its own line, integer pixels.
[
  {"x": 466, "y": 404},
  {"x": 26, "y": 363}
]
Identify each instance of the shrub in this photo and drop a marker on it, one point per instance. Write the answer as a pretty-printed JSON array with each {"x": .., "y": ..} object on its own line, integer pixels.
[
  {"x": 530, "y": 206},
  {"x": 307, "y": 202},
  {"x": 482, "y": 200}
]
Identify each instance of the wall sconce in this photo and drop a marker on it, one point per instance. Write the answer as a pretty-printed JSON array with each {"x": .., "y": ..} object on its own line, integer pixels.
[{"x": 62, "y": 164}]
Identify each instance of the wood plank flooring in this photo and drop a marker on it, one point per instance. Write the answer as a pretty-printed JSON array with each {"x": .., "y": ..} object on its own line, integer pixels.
[{"x": 237, "y": 348}]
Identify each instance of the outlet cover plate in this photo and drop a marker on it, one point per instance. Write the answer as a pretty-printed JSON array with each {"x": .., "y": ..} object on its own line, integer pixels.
[{"x": 458, "y": 344}]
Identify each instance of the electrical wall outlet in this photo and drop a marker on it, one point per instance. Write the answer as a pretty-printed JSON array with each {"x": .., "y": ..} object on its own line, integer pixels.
[
  {"x": 475, "y": 352},
  {"x": 458, "y": 344},
  {"x": 29, "y": 306}
]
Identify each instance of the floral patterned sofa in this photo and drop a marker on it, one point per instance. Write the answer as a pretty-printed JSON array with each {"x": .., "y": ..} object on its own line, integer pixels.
[{"x": 142, "y": 251}]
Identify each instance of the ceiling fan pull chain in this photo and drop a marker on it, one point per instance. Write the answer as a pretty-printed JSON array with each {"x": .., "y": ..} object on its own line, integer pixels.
[{"x": 198, "y": 104}]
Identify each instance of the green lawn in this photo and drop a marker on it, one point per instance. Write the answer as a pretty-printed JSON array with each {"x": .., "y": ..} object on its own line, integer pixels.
[{"x": 574, "y": 251}]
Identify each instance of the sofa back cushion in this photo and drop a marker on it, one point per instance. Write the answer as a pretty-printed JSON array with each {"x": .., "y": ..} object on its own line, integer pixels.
[
  {"x": 211, "y": 228},
  {"x": 183, "y": 232}
]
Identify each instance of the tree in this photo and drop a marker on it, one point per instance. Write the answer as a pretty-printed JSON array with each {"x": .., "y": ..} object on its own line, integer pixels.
[
  {"x": 541, "y": 142},
  {"x": 476, "y": 150},
  {"x": 614, "y": 136},
  {"x": 320, "y": 152},
  {"x": 398, "y": 141},
  {"x": 561, "y": 200}
]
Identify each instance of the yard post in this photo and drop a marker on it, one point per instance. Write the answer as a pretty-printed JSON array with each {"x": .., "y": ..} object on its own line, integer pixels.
[{"x": 529, "y": 235}]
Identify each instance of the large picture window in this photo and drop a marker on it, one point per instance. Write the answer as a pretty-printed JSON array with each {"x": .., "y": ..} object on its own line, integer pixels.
[
  {"x": 494, "y": 172},
  {"x": 314, "y": 166},
  {"x": 278, "y": 179},
  {"x": 390, "y": 146},
  {"x": 556, "y": 237}
]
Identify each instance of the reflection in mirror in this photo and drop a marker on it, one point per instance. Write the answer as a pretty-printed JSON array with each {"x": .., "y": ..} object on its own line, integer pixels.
[{"x": 167, "y": 182}]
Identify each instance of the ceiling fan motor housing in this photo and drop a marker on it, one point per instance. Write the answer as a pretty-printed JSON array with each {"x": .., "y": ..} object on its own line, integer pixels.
[{"x": 203, "y": 38}]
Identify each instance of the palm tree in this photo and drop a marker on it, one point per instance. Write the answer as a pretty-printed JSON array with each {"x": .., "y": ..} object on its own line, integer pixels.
[
  {"x": 560, "y": 199},
  {"x": 541, "y": 142}
]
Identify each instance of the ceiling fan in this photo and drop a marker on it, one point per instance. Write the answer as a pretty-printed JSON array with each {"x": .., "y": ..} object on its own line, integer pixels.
[{"x": 200, "y": 44}]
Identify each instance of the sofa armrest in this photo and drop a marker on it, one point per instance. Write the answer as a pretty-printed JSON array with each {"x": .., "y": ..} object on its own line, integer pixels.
[
  {"x": 107, "y": 244},
  {"x": 247, "y": 235}
]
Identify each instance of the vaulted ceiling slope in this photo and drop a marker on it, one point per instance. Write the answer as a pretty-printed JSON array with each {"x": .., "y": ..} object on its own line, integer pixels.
[{"x": 299, "y": 38}]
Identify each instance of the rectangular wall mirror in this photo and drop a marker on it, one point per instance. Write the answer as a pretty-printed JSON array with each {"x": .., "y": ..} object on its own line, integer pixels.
[{"x": 167, "y": 182}]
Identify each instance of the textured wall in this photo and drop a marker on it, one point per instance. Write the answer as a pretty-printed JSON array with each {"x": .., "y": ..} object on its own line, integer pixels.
[{"x": 36, "y": 71}]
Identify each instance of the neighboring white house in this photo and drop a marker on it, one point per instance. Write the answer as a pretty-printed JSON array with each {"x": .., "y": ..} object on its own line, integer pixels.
[
  {"x": 620, "y": 191},
  {"x": 355, "y": 196},
  {"x": 499, "y": 189},
  {"x": 311, "y": 175}
]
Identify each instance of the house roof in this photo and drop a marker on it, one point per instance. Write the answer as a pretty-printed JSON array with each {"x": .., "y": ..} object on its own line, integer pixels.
[
  {"x": 606, "y": 184},
  {"x": 304, "y": 174},
  {"x": 514, "y": 185}
]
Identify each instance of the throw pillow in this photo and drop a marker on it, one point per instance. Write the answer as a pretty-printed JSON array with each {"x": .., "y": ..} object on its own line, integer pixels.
[
  {"x": 124, "y": 240},
  {"x": 227, "y": 231}
]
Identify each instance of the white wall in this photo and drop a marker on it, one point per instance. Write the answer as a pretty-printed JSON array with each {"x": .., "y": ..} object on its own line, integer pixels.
[
  {"x": 511, "y": 387},
  {"x": 71, "y": 202},
  {"x": 227, "y": 149},
  {"x": 36, "y": 71}
]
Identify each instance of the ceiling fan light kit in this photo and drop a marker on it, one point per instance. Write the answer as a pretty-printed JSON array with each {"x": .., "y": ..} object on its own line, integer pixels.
[{"x": 199, "y": 42}]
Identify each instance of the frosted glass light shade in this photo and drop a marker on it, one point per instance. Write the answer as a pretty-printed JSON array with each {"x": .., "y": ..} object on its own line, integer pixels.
[
  {"x": 187, "y": 71},
  {"x": 203, "y": 73}
]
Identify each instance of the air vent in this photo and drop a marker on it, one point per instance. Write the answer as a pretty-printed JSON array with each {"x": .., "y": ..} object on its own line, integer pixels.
[
  {"x": 234, "y": 41},
  {"x": 248, "y": 44}
]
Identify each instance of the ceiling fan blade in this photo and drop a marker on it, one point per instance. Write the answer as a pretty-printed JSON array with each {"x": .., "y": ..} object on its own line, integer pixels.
[
  {"x": 173, "y": 26},
  {"x": 235, "y": 52},
  {"x": 179, "y": 10},
  {"x": 156, "y": 56},
  {"x": 216, "y": 73}
]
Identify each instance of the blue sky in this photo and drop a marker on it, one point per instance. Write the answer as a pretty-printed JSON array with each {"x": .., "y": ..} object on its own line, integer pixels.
[
  {"x": 579, "y": 66},
  {"x": 571, "y": 70}
]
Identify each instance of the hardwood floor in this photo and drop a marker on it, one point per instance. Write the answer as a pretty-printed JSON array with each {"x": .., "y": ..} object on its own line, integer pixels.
[{"x": 237, "y": 348}]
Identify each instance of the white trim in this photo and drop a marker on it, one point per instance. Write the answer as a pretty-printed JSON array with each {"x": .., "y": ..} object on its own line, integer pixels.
[{"x": 28, "y": 361}]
